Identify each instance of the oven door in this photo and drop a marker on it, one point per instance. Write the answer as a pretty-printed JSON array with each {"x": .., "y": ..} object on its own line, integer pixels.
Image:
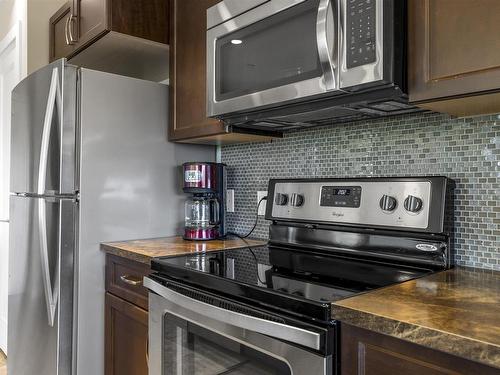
[
  {"x": 190, "y": 337},
  {"x": 279, "y": 51}
]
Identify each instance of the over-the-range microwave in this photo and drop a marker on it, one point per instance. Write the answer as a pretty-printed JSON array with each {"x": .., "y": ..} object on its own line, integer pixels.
[{"x": 281, "y": 64}]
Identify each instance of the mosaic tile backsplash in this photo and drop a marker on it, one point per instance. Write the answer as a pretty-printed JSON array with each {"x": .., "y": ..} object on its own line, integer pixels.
[{"x": 465, "y": 149}]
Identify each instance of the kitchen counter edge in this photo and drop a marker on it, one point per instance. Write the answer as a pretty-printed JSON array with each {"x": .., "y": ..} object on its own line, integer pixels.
[
  {"x": 145, "y": 250},
  {"x": 401, "y": 312}
]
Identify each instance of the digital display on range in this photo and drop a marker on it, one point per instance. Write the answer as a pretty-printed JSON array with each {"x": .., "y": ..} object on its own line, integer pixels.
[
  {"x": 340, "y": 196},
  {"x": 341, "y": 191}
]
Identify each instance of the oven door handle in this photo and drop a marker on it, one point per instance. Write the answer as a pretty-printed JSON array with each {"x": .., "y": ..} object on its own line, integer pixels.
[
  {"x": 277, "y": 330},
  {"x": 327, "y": 55}
]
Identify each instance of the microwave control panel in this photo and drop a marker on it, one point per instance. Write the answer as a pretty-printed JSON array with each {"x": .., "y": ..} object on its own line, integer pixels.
[{"x": 360, "y": 29}]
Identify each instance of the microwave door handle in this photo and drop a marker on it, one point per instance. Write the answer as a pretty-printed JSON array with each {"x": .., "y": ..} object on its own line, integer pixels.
[
  {"x": 325, "y": 24},
  {"x": 274, "y": 329}
]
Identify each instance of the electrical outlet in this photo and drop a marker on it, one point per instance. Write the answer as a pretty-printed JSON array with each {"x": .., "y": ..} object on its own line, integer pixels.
[
  {"x": 262, "y": 207},
  {"x": 230, "y": 200}
]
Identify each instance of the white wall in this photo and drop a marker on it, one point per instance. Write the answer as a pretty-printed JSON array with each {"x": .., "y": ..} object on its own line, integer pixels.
[
  {"x": 39, "y": 12},
  {"x": 13, "y": 15},
  {"x": 8, "y": 16},
  {"x": 34, "y": 16}
]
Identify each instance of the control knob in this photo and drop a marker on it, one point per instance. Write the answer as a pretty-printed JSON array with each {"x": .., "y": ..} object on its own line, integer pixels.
[
  {"x": 413, "y": 204},
  {"x": 388, "y": 203},
  {"x": 297, "y": 200},
  {"x": 281, "y": 199}
]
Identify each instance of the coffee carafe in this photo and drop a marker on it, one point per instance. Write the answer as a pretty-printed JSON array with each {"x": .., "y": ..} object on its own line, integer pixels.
[{"x": 205, "y": 209}]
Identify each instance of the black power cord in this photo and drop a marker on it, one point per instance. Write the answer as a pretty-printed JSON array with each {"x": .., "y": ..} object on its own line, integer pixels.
[
  {"x": 243, "y": 238},
  {"x": 251, "y": 252},
  {"x": 254, "y": 224}
]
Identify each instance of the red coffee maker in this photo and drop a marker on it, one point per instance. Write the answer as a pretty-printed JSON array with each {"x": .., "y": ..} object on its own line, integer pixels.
[{"x": 205, "y": 209}]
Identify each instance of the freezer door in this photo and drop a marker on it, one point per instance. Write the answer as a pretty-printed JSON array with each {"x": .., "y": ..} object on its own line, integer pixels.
[
  {"x": 41, "y": 286},
  {"x": 43, "y": 131}
]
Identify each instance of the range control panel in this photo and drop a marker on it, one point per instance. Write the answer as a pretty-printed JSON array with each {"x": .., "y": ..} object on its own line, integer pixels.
[
  {"x": 361, "y": 30},
  {"x": 416, "y": 203}
]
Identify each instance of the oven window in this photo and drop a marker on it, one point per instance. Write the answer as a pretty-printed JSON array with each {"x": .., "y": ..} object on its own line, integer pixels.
[
  {"x": 189, "y": 349},
  {"x": 279, "y": 50}
]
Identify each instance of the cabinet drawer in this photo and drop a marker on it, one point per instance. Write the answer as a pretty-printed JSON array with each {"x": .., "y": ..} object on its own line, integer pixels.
[{"x": 124, "y": 279}]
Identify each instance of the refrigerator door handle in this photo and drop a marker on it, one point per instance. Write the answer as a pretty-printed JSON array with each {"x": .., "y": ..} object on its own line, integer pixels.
[
  {"x": 53, "y": 100},
  {"x": 51, "y": 293},
  {"x": 51, "y": 290}
]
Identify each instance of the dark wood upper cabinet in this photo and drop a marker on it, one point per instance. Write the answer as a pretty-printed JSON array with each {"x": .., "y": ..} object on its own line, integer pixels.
[
  {"x": 454, "y": 55},
  {"x": 188, "y": 121},
  {"x": 59, "y": 42},
  {"x": 188, "y": 70},
  {"x": 90, "y": 20},
  {"x": 369, "y": 353},
  {"x": 119, "y": 36}
]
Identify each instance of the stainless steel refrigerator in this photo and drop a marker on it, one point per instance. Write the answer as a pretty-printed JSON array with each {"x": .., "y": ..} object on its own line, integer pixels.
[{"x": 89, "y": 163}]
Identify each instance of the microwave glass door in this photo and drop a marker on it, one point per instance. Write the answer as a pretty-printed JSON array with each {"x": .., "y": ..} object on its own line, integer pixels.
[
  {"x": 189, "y": 349},
  {"x": 278, "y": 50}
]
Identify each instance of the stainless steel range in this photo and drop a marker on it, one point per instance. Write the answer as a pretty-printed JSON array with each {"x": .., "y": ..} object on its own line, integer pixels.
[{"x": 267, "y": 310}]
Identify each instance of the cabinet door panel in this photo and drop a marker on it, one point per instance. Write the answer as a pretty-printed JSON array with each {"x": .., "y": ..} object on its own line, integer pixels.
[
  {"x": 58, "y": 46},
  {"x": 188, "y": 70},
  {"x": 376, "y": 360},
  {"x": 454, "y": 49},
  {"x": 126, "y": 338},
  {"x": 91, "y": 20},
  {"x": 463, "y": 37},
  {"x": 366, "y": 352},
  {"x": 146, "y": 19}
]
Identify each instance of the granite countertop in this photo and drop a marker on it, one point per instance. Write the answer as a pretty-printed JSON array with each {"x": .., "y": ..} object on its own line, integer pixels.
[
  {"x": 146, "y": 249},
  {"x": 455, "y": 311}
]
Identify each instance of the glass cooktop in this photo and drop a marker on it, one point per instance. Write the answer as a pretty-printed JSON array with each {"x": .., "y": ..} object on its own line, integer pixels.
[{"x": 299, "y": 282}]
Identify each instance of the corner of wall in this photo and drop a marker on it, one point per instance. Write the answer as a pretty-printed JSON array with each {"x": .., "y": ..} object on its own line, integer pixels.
[{"x": 38, "y": 15}]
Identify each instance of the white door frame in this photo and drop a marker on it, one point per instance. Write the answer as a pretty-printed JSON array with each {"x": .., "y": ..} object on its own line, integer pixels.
[{"x": 13, "y": 36}]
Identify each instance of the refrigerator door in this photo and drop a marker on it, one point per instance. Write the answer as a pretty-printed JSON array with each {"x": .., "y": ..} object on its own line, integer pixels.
[
  {"x": 41, "y": 285},
  {"x": 43, "y": 132}
]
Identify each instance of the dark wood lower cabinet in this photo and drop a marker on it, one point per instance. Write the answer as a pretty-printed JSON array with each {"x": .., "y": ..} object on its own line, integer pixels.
[
  {"x": 126, "y": 321},
  {"x": 369, "y": 353},
  {"x": 126, "y": 338}
]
